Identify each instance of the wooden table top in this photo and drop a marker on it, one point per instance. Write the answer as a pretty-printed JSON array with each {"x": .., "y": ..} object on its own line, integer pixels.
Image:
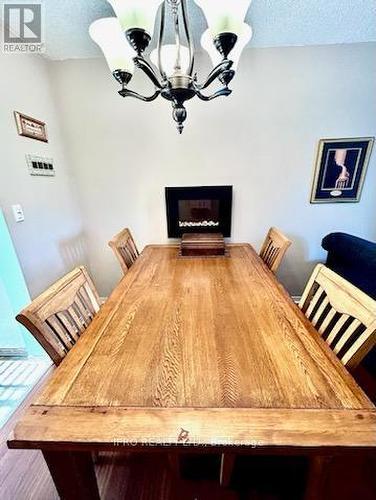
[{"x": 213, "y": 346}]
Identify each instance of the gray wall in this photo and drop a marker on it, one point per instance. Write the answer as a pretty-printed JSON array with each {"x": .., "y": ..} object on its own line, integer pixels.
[
  {"x": 51, "y": 239},
  {"x": 262, "y": 140}
]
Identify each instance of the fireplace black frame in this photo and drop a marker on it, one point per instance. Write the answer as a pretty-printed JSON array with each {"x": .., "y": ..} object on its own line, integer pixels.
[{"x": 221, "y": 193}]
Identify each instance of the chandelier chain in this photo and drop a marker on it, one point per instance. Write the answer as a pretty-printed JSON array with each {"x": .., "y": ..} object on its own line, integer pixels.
[{"x": 174, "y": 4}]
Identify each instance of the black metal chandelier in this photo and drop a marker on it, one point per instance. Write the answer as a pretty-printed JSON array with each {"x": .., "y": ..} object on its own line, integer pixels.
[{"x": 125, "y": 39}]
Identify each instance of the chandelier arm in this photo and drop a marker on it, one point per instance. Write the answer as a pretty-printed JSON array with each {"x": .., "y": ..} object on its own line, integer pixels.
[
  {"x": 189, "y": 37},
  {"x": 215, "y": 73},
  {"x": 130, "y": 93},
  {"x": 225, "y": 91},
  {"x": 142, "y": 64},
  {"x": 160, "y": 40}
]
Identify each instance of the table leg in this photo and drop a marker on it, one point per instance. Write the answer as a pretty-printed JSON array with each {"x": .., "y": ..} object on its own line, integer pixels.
[
  {"x": 318, "y": 470},
  {"x": 227, "y": 466},
  {"x": 174, "y": 464},
  {"x": 73, "y": 474}
]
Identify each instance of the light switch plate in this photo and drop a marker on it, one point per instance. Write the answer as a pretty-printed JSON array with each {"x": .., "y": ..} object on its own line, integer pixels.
[
  {"x": 18, "y": 213},
  {"x": 39, "y": 165}
]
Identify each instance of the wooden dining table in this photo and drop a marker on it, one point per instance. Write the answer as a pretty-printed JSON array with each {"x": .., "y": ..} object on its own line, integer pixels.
[{"x": 195, "y": 354}]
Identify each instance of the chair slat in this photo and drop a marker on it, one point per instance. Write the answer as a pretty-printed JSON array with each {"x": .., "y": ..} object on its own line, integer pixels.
[
  {"x": 68, "y": 324},
  {"x": 318, "y": 294},
  {"x": 355, "y": 324},
  {"x": 320, "y": 311},
  {"x": 61, "y": 333},
  {"x": 353, "y": 308},
  {"x": 58, "y": 316},
  {"x": 93, "y": 297},
  {"x": 76, "y": 318},
  {"x": 52, "y": 342},
  {"x": 340, "y": 324},
  {"x": 329, "y": 318},
  {"x": 85, "y": 313}
]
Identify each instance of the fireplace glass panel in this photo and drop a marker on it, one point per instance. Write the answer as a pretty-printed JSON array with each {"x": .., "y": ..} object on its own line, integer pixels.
[
  {"x": 198, "y": 213},
  {"x": 198, "y": 209}
]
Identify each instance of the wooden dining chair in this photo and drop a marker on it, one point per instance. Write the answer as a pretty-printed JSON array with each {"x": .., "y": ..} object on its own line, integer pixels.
[
  {"x": 124, "y": 249},
  {"x": 274, "y": 248},
  {"x": 343, "y": 315},
  {"x": 62, "y": 313}
]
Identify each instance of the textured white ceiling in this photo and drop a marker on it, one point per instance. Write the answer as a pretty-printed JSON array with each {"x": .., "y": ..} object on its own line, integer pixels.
[{"x": 275, "y": 23}]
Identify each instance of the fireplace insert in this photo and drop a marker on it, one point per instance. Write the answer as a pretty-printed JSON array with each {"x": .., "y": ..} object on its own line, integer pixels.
[{"x": 201, "y": 209}]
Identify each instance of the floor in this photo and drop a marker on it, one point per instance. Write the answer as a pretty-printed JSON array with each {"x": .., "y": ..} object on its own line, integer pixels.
[
  {"x": 24, "y": 476},
  {"x": 17, "y": 378}
]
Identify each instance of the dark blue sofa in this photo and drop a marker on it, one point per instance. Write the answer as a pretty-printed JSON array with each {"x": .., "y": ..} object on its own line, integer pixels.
[{"x": 354, "y": 259}]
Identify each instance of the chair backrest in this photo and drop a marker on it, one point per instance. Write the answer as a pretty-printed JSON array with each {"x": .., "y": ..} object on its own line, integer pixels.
[
  {"x": 58, "y": 316},
  {"x": 274, "y": 248},
  {"x": 124, "y": 248},
  {"x": 344, "y": 315}
]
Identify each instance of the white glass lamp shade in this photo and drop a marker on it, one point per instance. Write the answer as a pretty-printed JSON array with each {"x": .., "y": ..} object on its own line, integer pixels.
[
  {"x": 224, "y": 16},
  {"x": 244, "y": 36},
  {"x": 136, "y": 13},
  {"x": 169, "y": 58},
  {"x": 108, "y": 35}
]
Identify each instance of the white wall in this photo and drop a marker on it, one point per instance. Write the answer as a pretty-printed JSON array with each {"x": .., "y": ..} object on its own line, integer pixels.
[
  {"x": 50, "y": 240},
  {"x": 262, "y": 140}
]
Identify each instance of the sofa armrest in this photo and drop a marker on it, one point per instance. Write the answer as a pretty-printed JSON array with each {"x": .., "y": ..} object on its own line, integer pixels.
[{"x": 357, "y": 252}]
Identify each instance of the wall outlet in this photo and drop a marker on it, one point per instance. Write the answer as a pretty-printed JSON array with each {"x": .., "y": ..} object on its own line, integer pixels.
[{"x": 18, "y": 213}]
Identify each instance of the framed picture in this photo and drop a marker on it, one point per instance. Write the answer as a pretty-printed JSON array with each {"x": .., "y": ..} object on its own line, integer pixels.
[
  {"x": 341, "y": 167},
  {"x": 30, "y": 127}
]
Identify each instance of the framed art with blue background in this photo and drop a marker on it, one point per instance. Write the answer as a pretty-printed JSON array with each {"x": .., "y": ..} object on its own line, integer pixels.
[{"x": 341, "y": 167}]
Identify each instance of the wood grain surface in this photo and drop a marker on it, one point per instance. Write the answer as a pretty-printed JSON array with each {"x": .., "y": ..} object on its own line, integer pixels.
[
  {"x": 216, "y": 344},
  {"x": 216, "y": 427}
]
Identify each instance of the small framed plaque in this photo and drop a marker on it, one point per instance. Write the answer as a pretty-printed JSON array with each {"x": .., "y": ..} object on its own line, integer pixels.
[
  {"x": 31, "y": 127},
  {"x": 341, "y": 167}
]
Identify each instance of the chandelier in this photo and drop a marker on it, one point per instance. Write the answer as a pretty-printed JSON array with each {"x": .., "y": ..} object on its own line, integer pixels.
[{"x": 124, "y": 39}]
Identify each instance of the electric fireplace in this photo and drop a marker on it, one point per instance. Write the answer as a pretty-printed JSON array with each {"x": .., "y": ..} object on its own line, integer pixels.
[{"x": 201, "y": 209}]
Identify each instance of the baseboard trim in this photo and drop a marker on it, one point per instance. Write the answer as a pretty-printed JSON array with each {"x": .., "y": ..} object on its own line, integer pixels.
[{"x": 13, "y": 352}]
